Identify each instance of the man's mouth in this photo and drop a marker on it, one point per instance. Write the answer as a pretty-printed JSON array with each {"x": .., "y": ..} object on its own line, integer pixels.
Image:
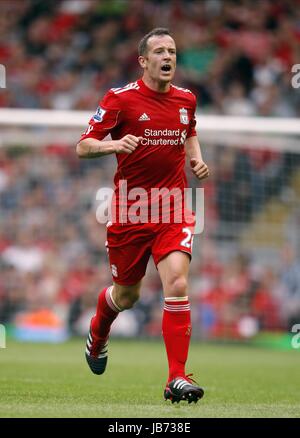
[{"x": 166, "y": 67}]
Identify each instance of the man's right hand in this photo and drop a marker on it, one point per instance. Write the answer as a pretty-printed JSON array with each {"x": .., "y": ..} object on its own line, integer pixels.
[{"x": 127, "y": 144}]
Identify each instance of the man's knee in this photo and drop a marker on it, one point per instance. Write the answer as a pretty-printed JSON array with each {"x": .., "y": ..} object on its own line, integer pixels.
[
  {"x": 127, "y": 300},
  {"x": 177, "y": 286},
  {"x": 126, "y": 296}
]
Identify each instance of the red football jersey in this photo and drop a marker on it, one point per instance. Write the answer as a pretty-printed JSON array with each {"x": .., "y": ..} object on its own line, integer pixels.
[{"x": 164, "y": 120}]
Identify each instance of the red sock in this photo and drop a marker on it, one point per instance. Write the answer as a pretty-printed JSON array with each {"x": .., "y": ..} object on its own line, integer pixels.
[
  {"x": 105, "y": 315},
  {"x": 176, "y": 328}
]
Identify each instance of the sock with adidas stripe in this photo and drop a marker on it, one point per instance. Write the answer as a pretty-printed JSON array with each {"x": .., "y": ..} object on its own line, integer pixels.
[
  {"x": 106, "y": 313},
  {"x": 176, "y": 328}
]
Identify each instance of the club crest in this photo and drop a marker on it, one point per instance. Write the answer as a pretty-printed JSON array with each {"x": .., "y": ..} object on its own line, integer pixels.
[{"x": 184, "y": 116}]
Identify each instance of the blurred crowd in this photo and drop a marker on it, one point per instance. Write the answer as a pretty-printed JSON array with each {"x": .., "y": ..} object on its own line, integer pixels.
[{"x": 237, "y": 57}]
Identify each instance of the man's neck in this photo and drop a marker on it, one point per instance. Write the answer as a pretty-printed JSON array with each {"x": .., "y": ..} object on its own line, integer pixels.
[{"x": 160, "y": 87}]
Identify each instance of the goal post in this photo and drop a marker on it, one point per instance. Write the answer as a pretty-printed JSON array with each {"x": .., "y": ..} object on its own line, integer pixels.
[{"x": 210, "y": 127}]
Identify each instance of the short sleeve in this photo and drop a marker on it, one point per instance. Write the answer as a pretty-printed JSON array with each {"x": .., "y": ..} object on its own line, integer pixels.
[
  {"x": 106, "y": 117},
  {"x": 192, "y": 125}
]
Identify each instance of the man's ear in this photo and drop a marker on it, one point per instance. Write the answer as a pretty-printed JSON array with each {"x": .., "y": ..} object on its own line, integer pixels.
[{"x": 142, "y": 61}]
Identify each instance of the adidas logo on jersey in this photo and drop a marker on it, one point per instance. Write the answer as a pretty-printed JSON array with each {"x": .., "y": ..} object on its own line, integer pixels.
[{"x": 144, "y": 117}]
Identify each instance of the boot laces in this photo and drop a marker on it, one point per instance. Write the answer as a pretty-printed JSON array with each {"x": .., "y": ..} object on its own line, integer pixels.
[{"x": 189, "y": 378}]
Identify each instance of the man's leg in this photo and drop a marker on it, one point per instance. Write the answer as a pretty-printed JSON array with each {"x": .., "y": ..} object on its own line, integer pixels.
[
  {"x": 111, "y": 301},
  {"x": 176, "y": 326},
  {"x": 173, "y": 270},
  {"x": 128, "y": 252}
]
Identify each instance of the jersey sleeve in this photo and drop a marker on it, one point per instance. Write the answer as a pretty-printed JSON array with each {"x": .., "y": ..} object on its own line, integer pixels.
[
  {"x": 192, "y": 125},
  {"x": 106, "y": 117}
]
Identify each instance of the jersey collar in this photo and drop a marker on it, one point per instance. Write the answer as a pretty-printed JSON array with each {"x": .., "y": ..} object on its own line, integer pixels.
[{"x": 147, "y": 91}]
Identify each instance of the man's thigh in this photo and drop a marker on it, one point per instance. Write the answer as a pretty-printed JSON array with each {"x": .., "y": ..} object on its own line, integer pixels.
[
  {"x": 129, "y": 250},
  {"x": 173, "y": 269},
  {"x": 172, "y": 237}
]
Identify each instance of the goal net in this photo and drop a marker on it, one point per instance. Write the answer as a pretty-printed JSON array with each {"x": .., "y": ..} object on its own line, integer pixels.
[{"x": 245, "y": 273}]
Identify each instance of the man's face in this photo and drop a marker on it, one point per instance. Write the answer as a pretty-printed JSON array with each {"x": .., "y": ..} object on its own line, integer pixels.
[{"x": 159, "y": 63}]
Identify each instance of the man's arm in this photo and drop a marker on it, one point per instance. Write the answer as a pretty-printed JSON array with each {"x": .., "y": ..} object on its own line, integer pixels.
[
  {"x": 93, "y": 148},
  {"x": 193, "y": 151}
]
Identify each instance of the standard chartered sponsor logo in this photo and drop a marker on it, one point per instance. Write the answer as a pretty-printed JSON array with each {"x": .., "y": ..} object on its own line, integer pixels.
[
  {"x": 163, "y": 137},
  {"x": 162, "y": 132},
  {"x": 183, "y": 137}
]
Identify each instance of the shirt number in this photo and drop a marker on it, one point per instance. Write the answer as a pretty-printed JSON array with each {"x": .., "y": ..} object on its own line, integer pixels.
[{"x": 187, "y": 242}]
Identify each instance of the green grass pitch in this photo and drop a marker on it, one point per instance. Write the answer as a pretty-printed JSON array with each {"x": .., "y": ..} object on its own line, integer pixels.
[{"x": 39, "y": 380}]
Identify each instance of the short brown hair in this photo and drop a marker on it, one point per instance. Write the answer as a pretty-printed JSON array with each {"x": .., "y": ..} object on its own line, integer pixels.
[{"x": 143, "y": 44}]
